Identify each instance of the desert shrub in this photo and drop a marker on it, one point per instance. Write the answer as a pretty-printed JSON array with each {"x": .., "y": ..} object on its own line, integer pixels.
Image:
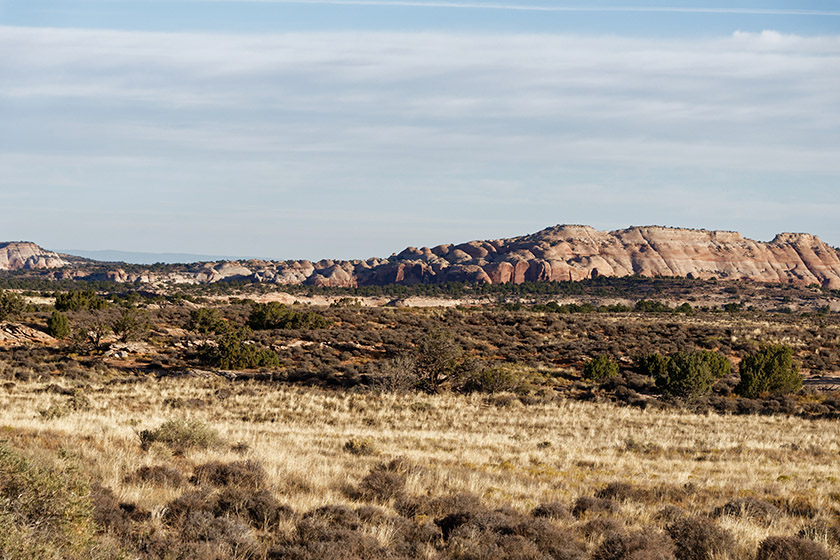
[
  {"x": 625, "y": 491},
  {"x": 336, "y": 515},
  {"x": 821, "y": 529},
  {"x": 275, "y": 315},
  {"x": 586, "y": 505},
  {"x": 77, "y": 300},
  {"x": 751, "y": 508},
  {"x": 43, "y": 513},
  {"x": 687, "y": 375},
  {"x": 397, "y": 375},
  {"x": 161, "y": 475},
  {"x": 635, "y": 546},
  {"x": 797, "y": 506},
  {"x": 181, "y": 435},
  {"x": 490, "y": 379},
  {"x": 438, "y": 357},
  {"x": 719, "y": 365},
  {"x": 549, "y": 539},
  {"x": 360, "y": 446},
  {"x": 246, "y": 474},
  {"x": 790, "y": 548},
  {"x": 11, "y": 305},
  {"x": 385, "y": 481},
  {"x": 771, "y": 370},
  {"x": 230, "y": 535},
  {"x": 131, "y": 324},
  {"x": 601, "y": 526},
  {"x": 554, "y": 510},
  {"x": 111, "y": 514},
  {"x": 412, "y": 506},
  {"x": 698, "y": 538},
  {"x": 653, "y": 365},
  {"x": 231, "y": 352},
  {"x": 601, "y": 368},
  {"x": 58, "y": 325},
  {"x": 207, "y": 320},
  {"x": 259, "y": 508}
]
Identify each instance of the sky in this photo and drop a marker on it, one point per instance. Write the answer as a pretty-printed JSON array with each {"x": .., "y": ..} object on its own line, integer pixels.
[{"x": 353, "y": 128}]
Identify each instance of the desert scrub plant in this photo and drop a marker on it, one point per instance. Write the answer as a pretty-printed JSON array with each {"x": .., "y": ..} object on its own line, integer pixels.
[
  {"x": 275, "y": 315},
  {"x": 438, "y": 358},
  {"x": 44, "y": 513},
  {"x": 79, "y": 300},
  {"x": 687, "y": 375},
  {"x": 131, "y": 324},
  {"x": 58, "y": 325},
  {"x": 397, "y": 375},
  {"x": 206, "y": 320},
  {"x": 490, "y": 379},
  {"x": 600, "y": 368},
  {"x": 231, "y": 352},
  {"x": 698, "y": 538},
  {"x": 791, "y": 548},
  {"x": 181, "y": 435},
  {"x": 770, "y": 371},
  {"x": 360, "y": 446}
]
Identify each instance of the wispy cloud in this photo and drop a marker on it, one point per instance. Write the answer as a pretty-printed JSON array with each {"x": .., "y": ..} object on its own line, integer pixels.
[
  {"x": 543, "y": 7},
  {"x": 503, "y": 129}
]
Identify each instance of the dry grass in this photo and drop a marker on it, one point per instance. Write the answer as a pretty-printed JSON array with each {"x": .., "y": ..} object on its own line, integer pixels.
[{"x": 515, "y": 455}]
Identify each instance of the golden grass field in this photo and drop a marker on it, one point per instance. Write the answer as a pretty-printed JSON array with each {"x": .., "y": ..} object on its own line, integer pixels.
[{"x": 504, "y": 452}]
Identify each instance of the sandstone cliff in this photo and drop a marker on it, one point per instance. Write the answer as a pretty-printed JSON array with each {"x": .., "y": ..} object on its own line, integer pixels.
[
  {"x": 22, "y": 255},
  {"x": 557, "y": 253}
]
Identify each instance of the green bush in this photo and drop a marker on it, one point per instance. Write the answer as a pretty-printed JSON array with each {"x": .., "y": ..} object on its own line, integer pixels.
[
  {"x": 11, "y": 306},
  {"x": 231, "y": 352},
  {"x": 687, "y": 375},
  {"x": 770, "y": 371},
  {"x": 44, "y": 513},
  {"x": 274, "y": 315},
  {"x": 719, "y": 365},
  {"x": 491, "y": 379},
  {"x": 131, "y": 324},
  {"x": 654, "y": 365},
  {"x": 77, "y": 300},
  {"x": 439, "y": 357},
  {"x": 207, "y": 321},
  {"x": 58, "y": 325},
  {"x": 181, "y": 435},
  {"x": 601, "y": 368}
]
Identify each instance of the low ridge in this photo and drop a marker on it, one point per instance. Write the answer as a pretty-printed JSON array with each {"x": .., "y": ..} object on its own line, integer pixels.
[{"x": 559, "y": 253}]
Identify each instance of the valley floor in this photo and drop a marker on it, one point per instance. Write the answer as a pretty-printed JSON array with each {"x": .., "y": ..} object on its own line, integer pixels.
[{"x": 752, "y": 477}]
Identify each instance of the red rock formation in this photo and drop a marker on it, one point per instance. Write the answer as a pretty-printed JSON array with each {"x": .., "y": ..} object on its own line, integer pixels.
[{"x": 559, "y": 253}]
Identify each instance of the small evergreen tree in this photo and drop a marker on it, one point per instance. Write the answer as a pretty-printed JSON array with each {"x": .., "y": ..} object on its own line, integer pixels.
[
  {"x": 686, "y": 375},
  {"x": 11, "y": 306},
  {"x": 771, "y": 371},
  {"x": 438, "y": 358},
  {"x": 601, "y": 368},
  {"x": 58, "y": 325},
  {"x": 131, "y": 324}
]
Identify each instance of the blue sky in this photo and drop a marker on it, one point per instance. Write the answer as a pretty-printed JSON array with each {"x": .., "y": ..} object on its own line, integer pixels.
[{"x": 351, "y": 129}]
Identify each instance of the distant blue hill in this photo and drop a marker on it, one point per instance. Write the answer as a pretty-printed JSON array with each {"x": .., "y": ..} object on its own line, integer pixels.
[{"x": 145, "y": 258}]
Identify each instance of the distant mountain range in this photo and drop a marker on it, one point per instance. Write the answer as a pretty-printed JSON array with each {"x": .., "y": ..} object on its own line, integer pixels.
[{"x": 563, "y": 252}]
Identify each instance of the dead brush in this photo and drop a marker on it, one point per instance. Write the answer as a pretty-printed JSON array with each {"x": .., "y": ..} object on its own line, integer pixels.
[{"x": 384, "y": 482}]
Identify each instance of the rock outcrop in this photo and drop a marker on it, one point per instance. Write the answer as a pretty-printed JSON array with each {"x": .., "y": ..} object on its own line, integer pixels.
[
  {"x": 557, "y": 253},
  {"x": 22, "y": 255}
]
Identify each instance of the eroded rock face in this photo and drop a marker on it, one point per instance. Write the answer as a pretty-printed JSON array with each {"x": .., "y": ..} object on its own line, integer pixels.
[
  {"x": 557, "y": 253},
  {"x": 22, "y": 255}
]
